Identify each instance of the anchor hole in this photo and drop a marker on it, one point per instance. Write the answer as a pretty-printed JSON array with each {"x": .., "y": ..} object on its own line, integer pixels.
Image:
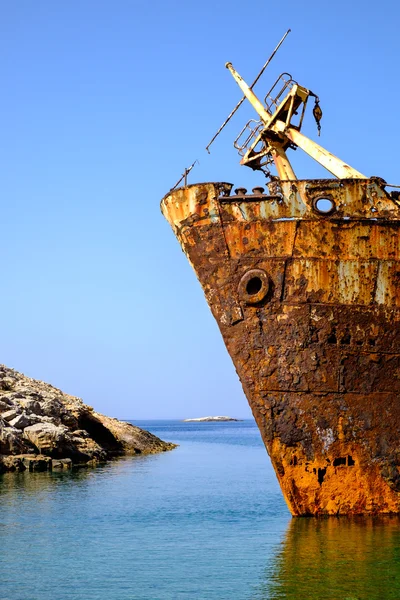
[{"x": 253, "y": 286}]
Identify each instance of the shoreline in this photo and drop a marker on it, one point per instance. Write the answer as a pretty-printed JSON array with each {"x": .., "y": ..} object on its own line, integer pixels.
[{"x": 45, "y": 429}]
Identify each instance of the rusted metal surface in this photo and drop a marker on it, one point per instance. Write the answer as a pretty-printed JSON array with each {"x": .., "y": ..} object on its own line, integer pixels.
[{"x": 308, "y": 304}]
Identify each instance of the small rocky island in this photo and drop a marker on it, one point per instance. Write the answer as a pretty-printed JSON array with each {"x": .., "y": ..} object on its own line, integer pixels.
[
  {"x": 208, "y": 419},
  {"x": 42, "y": 428}
]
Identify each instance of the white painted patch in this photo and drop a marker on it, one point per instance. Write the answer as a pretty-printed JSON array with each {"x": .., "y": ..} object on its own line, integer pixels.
[{"x": 327, "y": 437}]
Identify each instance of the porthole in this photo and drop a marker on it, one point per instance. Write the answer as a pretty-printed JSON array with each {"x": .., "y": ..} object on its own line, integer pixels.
[
  {"x": 254, "y": 286},
  {"x": 324, "y": 205}
]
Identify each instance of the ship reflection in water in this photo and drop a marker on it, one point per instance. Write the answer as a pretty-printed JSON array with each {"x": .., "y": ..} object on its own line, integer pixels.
[{"x": 336, "y": 559}]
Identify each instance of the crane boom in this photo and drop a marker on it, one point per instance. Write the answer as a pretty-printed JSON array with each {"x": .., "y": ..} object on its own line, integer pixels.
[{"x": 277, "y": 134}]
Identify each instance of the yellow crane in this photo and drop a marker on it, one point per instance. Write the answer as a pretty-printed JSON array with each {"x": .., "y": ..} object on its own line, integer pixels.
[
  {"x": 263, "y": 142},
  {"x": 269, "y": 138}
]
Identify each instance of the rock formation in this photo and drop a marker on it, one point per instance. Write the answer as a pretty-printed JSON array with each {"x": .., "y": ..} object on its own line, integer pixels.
[{"x": 42, "y": 428}]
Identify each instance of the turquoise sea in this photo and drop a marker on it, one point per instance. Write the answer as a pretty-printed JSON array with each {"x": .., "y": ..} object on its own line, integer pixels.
[{"x": 205, "y": 521}]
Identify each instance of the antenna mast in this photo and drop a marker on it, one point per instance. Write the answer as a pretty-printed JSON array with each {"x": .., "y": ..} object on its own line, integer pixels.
[{"x": 184, "y": 176}]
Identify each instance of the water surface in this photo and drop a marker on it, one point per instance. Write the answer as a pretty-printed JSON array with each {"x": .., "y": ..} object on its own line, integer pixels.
[{"x": 205, "y": 521}]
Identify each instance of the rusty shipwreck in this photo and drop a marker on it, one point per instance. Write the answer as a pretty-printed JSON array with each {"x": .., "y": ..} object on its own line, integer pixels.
[{"x": 303, "y": 281}]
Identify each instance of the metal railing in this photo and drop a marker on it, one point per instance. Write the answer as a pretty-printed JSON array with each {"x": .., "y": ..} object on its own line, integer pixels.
[
  {"x": 247, "y": 136},
  {"x": 275, "y": 96}
]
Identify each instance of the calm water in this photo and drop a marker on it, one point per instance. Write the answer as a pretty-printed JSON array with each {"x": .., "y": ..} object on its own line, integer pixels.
[{"x": 206, "y": 521}]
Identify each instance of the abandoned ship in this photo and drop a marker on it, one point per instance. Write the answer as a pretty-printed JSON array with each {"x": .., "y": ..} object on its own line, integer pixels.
[{"x": 303, "y": 281}]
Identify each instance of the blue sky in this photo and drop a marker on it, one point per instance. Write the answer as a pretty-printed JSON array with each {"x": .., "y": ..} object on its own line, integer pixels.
[{"x": 103, "y": 104}]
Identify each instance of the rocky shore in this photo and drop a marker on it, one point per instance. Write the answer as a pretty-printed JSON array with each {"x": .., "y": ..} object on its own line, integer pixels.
[{"x": 42, "y": 428}]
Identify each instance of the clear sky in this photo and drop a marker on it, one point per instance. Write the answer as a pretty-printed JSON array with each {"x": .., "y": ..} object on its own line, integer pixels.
[{"x": 103, "y": 104}]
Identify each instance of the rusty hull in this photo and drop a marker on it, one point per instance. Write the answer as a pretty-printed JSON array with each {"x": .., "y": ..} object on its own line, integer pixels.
[{"x": 308, "y": 305}]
